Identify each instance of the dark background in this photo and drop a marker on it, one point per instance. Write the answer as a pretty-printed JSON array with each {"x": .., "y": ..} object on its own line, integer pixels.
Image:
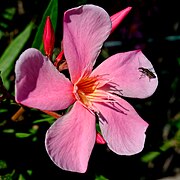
[{"x": 152, "y": 26}]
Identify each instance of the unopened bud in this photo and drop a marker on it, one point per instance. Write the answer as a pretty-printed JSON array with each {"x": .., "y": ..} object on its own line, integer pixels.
[
  {"x": 59, "y": 58},
  {"x": 99, "y": 139},
  {"x": 48, "y": 37},
  {"x": 117, "y": 18}
]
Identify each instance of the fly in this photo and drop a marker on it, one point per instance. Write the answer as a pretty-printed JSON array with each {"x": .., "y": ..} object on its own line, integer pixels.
[{"x": 146, "y": 72}]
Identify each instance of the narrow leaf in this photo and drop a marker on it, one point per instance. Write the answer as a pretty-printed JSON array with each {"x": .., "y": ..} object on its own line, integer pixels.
[
  {"x": 21, "y": 177},
  {"x": 22, "y": 135},
  {"x": 150, "y": 156},
  {"x": 49, "y": 120},
  {"x": 12, "y": 51},
  {"x": 100, "y": 178},
  {"x": 8, "y": 130}
]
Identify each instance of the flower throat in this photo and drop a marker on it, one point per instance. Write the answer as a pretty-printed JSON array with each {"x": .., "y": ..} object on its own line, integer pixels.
[{"x": 94, "y": 89}]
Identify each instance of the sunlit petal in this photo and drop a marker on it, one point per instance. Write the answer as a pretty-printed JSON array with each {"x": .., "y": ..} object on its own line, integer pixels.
[
  {"x": 39, "y": 84},
  {"x": 70, "y": 140},
  {"x": 122, "y": 128},
  {"x": 85, "y": 30},
  {"x": 123, "y": 70}
]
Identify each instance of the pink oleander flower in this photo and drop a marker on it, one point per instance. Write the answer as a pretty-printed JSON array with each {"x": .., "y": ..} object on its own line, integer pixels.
[{"x": 92, "y": 92}]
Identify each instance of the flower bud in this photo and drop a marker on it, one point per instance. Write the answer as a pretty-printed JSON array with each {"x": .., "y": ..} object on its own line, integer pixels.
[
  {"x": 48, "y": 37},
  {"x": 99, "y": 139},
  {"x": 59, "y": 58},
  {"x": 117, "y": 18}
]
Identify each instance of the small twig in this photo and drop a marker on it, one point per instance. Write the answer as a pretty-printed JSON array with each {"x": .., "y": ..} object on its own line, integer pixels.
[
  {"x": 51, "y": 113},
  {"x": 16, "y": 116},
  {"x": 21, "y": 110}
]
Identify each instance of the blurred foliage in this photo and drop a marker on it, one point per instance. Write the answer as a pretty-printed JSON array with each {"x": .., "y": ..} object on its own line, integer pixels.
[
  {"x": 152, "y": 26},
  {"x": 6, "y": 17},
  {"x": 100, "y": 178},
  {"x": 11, "y": 54}
]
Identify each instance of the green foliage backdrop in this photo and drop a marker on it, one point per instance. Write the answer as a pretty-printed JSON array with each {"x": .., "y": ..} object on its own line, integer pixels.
[{"x": 152, "y": 26}]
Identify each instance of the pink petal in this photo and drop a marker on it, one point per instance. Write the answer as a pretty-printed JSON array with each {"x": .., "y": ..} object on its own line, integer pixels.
[
  {"x": 123, "y": 70},
  {"x": 39, "y": 84},
  {"x": 117, "y": 18},
  {"x": 122, "y": 128},
  {"x": 70, "y": 140},
  {"x": 85, "y": 30}
]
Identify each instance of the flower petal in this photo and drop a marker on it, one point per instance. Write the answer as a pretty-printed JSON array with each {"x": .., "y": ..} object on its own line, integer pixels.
[
  {"x": 122, "y": 128},
  {"x": 117, "y": 18},
  {"x": 39, "y": 84},
  {"x": 70, "y": 140},
  {"x": 123, "y": 70},
  {"x": 85, "y": 30}
]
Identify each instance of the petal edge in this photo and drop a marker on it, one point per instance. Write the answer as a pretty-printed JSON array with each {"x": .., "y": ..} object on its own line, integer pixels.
[
  {"x": 39, "y": 84},
  {"x": 70, "y": 140}
]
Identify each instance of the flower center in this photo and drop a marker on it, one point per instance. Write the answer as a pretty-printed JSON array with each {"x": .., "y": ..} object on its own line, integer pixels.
[
  {"x": 85, "y": 90},
  {"x": 94, "y": 89}
]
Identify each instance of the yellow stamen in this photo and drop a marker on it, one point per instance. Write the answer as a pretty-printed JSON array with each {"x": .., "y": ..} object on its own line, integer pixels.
[{"x": 90, "y": 89}]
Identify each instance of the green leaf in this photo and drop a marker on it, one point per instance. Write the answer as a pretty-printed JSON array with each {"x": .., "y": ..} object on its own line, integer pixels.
[
  {"x": 3, "y": 110},
  {"x": 174, "y": 84},
  {"x": 4, "y": 25},
  {"x": 12, "y": 51},
  {"x": 68, "y": 109},
  {"x": 105, "y": 53},
  {"x": 3, "y": 122},
  {"x": 1, "y": 34},
  {"x": 52, "y": 11},
  {"x": 29, "y": 171},
  {"x": 178, "y": 60},
  {"x": 100, "y": 178},
  {"x": 49, "y": 120},
  {"x": 98, "y": 128},
  {"x": 177, "y": 124},
  {"x": 22, "y": 135},
  {"x": 8, "y": 176},
  {"x": 167, "y": 144},
  {"x": 3, "y": 164},
  {"x": 150, "y": 156},
  {"x": 21, "y": 177},
  {"x": 6, "y": 16},
  {"x": 34, "y": 139},
  {"x": 9, "y": 13},
  {"x": 8, "y": 130}
]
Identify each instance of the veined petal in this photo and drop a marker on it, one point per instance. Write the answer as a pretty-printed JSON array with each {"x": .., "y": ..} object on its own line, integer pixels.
[
  {"x": 70, "y": 140},
  {"x": 85, "y": 30},
  {"x": 123, "y": 70},
  {"x": 117, "y": 18},
  {"x": 122, "y": 128},
  {"x": 39, "y": 84}
]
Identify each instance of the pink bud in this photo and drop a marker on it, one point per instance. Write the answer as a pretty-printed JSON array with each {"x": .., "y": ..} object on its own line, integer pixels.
[
  {"x": 117, "y": 18},
  {"x": 99, "y": 139},
  {"x": 48, "y": 37},
  {"x": 59, "y": 58}
]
